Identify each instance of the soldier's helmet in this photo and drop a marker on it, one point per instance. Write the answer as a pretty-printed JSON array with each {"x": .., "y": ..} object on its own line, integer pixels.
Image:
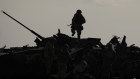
[{"x": 79, "y": 11}]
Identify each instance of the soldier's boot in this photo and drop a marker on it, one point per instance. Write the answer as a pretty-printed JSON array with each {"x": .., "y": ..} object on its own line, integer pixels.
[
  {"x": 78, "y": 36},
  {"x": 78, "y": 33},
  {"x": 73, "y": 31}
]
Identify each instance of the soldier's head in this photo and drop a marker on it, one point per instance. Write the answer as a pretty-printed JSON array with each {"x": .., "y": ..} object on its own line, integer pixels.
[{"x": 79, "y": 11}]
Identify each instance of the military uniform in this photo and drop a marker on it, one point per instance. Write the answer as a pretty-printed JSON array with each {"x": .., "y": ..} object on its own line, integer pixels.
[{"x": 77, "y": 22}]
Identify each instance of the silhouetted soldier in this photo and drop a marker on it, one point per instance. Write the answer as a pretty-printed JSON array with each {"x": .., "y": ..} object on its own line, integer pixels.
[{"x": 77, "y": 22}]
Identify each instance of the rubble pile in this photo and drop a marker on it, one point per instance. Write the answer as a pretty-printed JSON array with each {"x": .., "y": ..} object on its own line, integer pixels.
[{"x": 65, "y": 57}]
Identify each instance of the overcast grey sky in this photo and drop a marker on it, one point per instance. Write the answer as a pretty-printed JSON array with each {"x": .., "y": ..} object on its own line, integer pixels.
[{"x": 105, "y": 18}]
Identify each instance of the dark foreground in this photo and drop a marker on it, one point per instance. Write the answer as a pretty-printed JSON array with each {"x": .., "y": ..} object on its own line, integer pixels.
[{"x": 70, "y": 58}]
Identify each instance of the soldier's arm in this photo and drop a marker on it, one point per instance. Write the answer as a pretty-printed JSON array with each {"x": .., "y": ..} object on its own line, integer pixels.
[{"x": 84, "y": 21}]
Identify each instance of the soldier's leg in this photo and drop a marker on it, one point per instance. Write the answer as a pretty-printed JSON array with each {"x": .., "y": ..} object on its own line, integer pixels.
[
  {"x": 73, "y": 31},
  {"x": 79, "y": 33}
]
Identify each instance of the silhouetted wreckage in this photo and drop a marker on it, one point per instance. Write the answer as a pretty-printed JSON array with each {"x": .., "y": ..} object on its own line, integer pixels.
[{"x": 64, "y": 57}]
